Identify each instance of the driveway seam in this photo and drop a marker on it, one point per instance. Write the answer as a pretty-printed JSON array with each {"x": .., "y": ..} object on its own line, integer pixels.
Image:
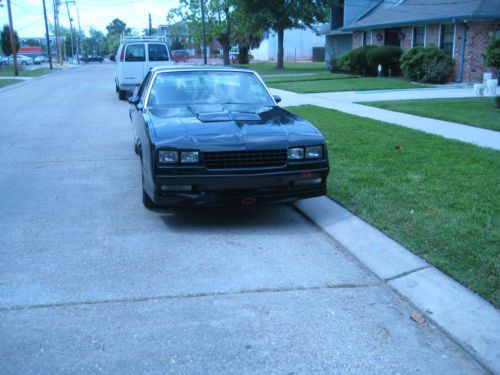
[
  {"x": 186, "y": 296},
  {"x": 406, "y": 273}
]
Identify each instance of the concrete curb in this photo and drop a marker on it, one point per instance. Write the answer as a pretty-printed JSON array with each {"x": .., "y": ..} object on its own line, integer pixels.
[{"x": 467, "y": 318}]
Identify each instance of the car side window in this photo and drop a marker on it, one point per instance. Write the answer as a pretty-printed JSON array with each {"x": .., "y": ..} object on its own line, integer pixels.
[
  {"x": 135, "y": 53},
  {"x": 158, "y": 52}
]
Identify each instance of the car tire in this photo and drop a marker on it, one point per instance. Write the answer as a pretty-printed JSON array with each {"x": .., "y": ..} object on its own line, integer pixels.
[
  {"x": 122, "y": 95},
  {"x": 137, "y": 148},
  {"x": 24, "y": 63},
  {"x": 147, "y": 202}
]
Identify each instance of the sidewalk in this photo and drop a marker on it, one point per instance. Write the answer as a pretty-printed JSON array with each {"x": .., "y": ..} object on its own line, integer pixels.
[{"x": 344, "y": 102}]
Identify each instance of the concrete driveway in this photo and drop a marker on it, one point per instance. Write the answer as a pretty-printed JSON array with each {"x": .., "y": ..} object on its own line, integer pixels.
[{"x": 91, "y": 282}]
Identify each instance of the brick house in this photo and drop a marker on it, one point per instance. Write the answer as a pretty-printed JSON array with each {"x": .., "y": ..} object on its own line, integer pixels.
[{"x": 461, "y": 28}]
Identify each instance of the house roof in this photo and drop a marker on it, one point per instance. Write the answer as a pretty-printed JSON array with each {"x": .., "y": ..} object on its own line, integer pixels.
[{"x": 393, "y": 13}]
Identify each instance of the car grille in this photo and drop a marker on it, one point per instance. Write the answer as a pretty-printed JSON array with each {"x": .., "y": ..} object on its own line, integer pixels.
[{"x": 245, "y": 159}]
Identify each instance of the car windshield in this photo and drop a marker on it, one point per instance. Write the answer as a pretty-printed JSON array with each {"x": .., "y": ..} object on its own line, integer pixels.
[{"x": 208, "y": 87}]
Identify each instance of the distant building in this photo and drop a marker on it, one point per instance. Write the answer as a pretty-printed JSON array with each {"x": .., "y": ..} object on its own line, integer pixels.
[{"x": 298, "y": 45}]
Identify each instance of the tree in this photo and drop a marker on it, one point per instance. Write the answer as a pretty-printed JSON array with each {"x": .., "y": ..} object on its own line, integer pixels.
[
  {"x": 281, "y": 15},
  {"x": 492, "y": 54},
  {"x": 224, "y": 22},
  {"x": 116, "y": 28},
  {"x": 5, "y": 37}
]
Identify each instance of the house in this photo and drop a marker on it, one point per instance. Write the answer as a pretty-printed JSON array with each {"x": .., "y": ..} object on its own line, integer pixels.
[
  {"x": 344, "y": 12},
  {"x": 178, "y": 34},
  {"x": 298, "y": 45},
  {"x": 460, "y": 28}
]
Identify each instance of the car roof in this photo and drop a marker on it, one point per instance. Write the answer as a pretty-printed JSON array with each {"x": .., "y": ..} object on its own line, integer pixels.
[{"x": 180, "y": 68}]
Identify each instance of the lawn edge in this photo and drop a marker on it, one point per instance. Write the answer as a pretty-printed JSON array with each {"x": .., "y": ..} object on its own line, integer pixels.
[
  {"x": 469, "y": 319},
  {"x": 371, "y": 104},
  {"x": 25, "y": 82}
]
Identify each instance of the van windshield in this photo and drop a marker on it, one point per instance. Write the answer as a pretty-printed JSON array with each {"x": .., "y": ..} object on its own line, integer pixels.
[{"x": 208, "y": 87}]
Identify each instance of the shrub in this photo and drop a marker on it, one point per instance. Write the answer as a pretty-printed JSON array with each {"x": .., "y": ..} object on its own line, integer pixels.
[
  {"x": 492, "y": 54},
  {"x": 359, "y": 61},
  {"x": 387, "y": 56},
  {"x": 497, "y": 101},
  {"x": 427, "y": 64},
  {"x": 341, "y": 63}
]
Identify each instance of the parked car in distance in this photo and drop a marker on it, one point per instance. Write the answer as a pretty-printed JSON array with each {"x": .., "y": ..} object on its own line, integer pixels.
[
  {"x": 21, "y": 59},
  {"x": 135, "y": 58},
  {"x": 179, "y": 55},
  {"x": 87, "y": 59},
  {"x": 3, "y": 60},
  {"x": 41, "y": 59},
  {"x": 216, "y": 136}
]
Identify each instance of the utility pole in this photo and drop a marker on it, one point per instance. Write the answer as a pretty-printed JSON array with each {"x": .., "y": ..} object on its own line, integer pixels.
[
  {"x": 47, "y": 34},
  {"x": 72, "y": 35},
  {"x": 150, "y": 28},
  {"x": 203, "y": 32},
  {"x": 79, "y": 30},
  {"x": 56, "y": 28},
  {"x": 12, "y": 40}
]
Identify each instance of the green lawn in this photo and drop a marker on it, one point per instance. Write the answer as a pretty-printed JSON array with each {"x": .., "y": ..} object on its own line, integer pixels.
[
  {"x": 7, "y": 82},
  {"x": 290, "y": 67},
  {"x": 9, "y": 72},
  {"x": 478, "y": 112},
  {"x": 351, "y": 84},
  {"x": 437, "y": 197},
  {"x": 301, "y": 78}
]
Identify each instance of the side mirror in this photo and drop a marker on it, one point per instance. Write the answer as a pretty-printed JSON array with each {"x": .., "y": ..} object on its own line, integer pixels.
[
  {"x": 112, "y": 57},
  {"x": 277, "y": 98},
  {"x": 134, "y": 100}
]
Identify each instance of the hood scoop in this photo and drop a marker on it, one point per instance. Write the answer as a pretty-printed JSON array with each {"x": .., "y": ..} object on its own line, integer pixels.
[{"x": 215, "y": 113}]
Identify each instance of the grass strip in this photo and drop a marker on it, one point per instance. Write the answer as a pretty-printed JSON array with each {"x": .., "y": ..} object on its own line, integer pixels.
[
  {"x": 437, "y": 197},
  {"x": 477, "y": 112},
  {"x": 8, "y": 82},
  {"x": 351, "y": 84},
  {"x": 9, "y": 72}
]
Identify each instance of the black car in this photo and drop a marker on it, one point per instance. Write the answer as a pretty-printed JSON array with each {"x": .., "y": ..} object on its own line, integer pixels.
[
  {"x": 88, "y": 59},
  {"x": 215, "y": 136}
]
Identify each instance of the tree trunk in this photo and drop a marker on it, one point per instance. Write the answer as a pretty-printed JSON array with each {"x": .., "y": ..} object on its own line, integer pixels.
[
  {"x": 227, "y": 44},
  {"x": 225, "y": 53},
  {"x": 281, "y": 33}
]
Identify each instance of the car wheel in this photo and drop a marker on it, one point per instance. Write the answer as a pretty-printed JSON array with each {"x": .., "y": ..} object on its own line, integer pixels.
[
  {"x": 147, "y": 202},
  {"x": 122, "y": 95},
  {"x": 24, "y": 63},
  {"x": 137, "y": 149}
]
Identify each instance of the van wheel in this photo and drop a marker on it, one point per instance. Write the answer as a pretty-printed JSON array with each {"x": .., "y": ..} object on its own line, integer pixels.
[{"x": 122, "y": 95}]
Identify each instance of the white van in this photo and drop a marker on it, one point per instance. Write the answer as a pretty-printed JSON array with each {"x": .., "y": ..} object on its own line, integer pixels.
[{"x": 135, "y": 57}]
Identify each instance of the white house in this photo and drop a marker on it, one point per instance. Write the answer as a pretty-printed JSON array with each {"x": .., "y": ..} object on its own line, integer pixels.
[{"x": 298, "y": 45}]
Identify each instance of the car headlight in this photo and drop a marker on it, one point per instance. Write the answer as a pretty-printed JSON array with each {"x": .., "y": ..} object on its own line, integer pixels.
[
  {"x": 168, "y": 157},
  {"x": 190, "y": 157},
  {"x": 314, "y": 152},
  {"x": 295, "y": 153}
]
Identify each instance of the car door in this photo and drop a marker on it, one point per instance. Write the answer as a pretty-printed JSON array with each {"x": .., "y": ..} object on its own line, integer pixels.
[
  {"x": 134, "y": 66},
  {"x": 158, "y": 55}
]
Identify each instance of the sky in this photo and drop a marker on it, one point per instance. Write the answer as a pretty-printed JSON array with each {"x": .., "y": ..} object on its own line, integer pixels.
[{"x": 28, "y": 14}]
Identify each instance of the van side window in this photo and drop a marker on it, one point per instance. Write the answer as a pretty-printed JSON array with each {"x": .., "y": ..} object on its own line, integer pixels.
[
  {"x": 135, "y": 52},
  {"x": 158, "y": 52}
]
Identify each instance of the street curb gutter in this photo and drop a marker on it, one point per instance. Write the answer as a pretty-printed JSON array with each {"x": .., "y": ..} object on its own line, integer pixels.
[{"x": 470, "y": 320}]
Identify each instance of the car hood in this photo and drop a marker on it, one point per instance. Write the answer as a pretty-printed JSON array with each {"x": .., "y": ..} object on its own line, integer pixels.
[{"x": 231, "y": 126}]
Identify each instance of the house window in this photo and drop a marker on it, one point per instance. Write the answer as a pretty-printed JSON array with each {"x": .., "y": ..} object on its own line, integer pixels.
[
  {"x": 367, "y": 38},
  {"x": 447, "y": 37},
  {"x": 418, "y": 36}
]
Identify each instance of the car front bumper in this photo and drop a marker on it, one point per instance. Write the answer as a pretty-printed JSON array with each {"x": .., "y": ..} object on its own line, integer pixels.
[{"x": 240, "y": 189}]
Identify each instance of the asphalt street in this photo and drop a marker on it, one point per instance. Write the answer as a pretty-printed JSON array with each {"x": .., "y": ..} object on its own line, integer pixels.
[{"x": 91, "y": 282}]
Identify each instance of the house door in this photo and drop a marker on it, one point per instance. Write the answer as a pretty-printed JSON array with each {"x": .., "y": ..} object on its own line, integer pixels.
[{"x": 392, "y": 37}]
